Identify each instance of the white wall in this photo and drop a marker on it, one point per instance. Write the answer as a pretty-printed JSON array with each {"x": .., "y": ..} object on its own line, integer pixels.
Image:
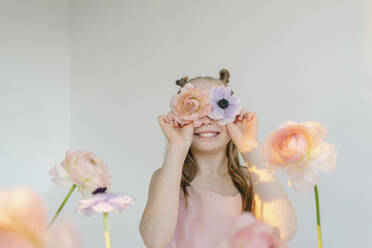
[
  {"x": 299, "y": 60},
  {"x": 34, "y": 90}
]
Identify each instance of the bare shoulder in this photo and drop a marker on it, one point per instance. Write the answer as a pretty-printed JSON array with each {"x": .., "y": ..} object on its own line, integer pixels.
[{"x": 246, "y": 174}]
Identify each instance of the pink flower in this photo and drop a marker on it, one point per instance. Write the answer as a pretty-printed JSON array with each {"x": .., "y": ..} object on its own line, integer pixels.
[
  {"x": 191, "y": 105},
  {"x": 248, "y": 233},
  {"x": 23, "y": 217},
  {"x": 84, "y": 169},
  {"x": 299, "y": 151},
  {"x": 105, "y": 202}
]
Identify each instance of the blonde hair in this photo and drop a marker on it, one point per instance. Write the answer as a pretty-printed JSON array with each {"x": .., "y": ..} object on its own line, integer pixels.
[{"x": 233, "y": 164}]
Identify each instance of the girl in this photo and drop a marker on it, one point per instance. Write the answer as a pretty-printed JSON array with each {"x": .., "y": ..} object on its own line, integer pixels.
[{"x": 201, "y": 188}]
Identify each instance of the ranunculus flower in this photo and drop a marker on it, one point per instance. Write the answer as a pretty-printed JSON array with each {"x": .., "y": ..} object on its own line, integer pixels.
[
  {"x": 225, "y": 105},
  {"x": 105, "y": 202},
  {"x": 23, "y": 222},
  {"x": 84, "y": 169},
  {"x": 249, "y": 233},
  {"x": 298, "y": 149},
  {"x": 190, "y": 105}
]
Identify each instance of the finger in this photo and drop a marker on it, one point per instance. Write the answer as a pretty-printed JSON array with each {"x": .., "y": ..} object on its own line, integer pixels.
[
  {"x": 250, "y": 116},
  {"x": 243, "y": 114},
  {"x": 170, "y": 120},
  {"x": 175, "y": 122},
  {"x": 163, "y": 121}
]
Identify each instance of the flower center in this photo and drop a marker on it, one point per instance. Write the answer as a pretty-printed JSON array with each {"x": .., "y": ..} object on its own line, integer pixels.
[
  {"x": 223, "y": 103},
  {"x": 100, "y": 190},
  {"x": 192, "y": 104}
]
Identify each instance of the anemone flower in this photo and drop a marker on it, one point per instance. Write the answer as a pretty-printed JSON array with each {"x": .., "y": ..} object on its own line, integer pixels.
[
  {"x": 83, "y": 170},
  {"x": 225, "y": 105},
  {"x": 104, "y": 203}
]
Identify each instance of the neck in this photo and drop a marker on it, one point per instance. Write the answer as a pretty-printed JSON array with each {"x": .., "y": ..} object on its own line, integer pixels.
[{"x": 211, "y": 164}]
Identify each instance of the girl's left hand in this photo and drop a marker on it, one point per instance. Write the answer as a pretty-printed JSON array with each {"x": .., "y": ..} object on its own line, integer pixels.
[{"x": 243, "y": 131}]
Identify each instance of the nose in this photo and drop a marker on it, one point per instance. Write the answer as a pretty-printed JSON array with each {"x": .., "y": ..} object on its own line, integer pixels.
[{"x": 207, "y": 121}]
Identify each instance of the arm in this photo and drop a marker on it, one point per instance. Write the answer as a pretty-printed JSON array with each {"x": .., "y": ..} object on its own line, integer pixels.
[
  {"x": 272, "y": 203},
  {"x": 159, "y": 218}
]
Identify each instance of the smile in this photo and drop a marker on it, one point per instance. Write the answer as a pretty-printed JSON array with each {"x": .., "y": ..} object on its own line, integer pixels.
[{"x": 208, "y": 134}]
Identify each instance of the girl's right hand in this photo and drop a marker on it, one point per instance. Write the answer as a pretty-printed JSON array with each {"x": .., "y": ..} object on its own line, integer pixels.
[{"x": 175, "y": 133}]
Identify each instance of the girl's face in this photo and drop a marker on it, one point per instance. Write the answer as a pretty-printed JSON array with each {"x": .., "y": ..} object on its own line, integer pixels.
[{"x": 210, "y": 136}]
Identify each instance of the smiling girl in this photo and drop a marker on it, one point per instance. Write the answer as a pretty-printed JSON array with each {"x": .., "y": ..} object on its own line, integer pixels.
[{"x": 201, "y": 187}]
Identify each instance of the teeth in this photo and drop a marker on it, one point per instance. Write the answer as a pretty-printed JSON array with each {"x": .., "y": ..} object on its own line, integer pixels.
[{"x": 207, "y": 134}]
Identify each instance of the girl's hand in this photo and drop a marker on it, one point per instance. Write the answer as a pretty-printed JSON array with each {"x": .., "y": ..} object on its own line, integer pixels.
[
  {"x": 243, "y": 131},
  {"x": 175, "y": 133}
]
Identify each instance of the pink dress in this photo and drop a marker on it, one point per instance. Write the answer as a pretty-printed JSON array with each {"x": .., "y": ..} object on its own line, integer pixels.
[{"x": 207, "y": 219}]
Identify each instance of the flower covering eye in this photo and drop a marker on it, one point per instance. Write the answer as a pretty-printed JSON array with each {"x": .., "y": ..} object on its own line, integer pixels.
[
  {"x": 225, "y": 105},
  {"x": 190, "y": 105},
  {"x": 194, "y": 106}
]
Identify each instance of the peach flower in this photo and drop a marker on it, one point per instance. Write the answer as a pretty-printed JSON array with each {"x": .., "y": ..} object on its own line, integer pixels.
[
  {"x": 191, "y": 105},
  {"x": 84, "y": 169},
  {"x": 298, "y": 149},
  {"x": 23, "y": 222}
]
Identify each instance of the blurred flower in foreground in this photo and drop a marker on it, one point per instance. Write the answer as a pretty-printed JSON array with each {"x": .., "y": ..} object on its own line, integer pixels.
[
  {"x": 23, "y": 222},
  {"x": 299, "y": 151},
  {"x": 104, "y": 203},
  {"x": 80, "y": 169},
  {"x": 249, "y": 233}
]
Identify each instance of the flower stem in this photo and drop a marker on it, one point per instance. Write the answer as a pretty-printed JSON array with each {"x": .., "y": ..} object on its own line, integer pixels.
[
  {"x": 62, "y": 205},
  {"x": 318, "y": 216},
  {"x": 107, "y": 232}
]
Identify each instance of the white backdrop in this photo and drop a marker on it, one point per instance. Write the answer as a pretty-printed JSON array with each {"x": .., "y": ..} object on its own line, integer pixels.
[{"x": 113, "y": 69}]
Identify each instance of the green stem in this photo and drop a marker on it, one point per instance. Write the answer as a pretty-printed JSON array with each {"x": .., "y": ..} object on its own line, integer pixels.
[
  {"x": 318, "y": 216},
  {"x": 62, "y": 205},
  {"x": 107, "y": 232}
]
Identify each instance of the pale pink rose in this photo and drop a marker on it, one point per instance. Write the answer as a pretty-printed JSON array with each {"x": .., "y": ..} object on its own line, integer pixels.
[
  {"x": 300, "y": 151},
  {"x": 191, "y": 105},
  {"x": 247, "y": 232},
  {"x": 23, "y": 222},
  {"x": 84, "y": 169}
]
